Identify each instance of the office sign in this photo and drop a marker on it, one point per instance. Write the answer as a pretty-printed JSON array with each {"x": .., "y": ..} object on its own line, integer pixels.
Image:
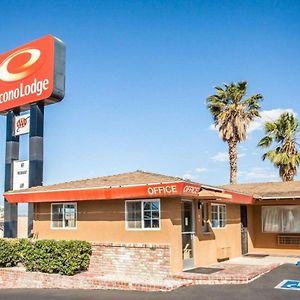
[
  {"x": 22, "y": 124},
  {"x": 31, "y": 73}
]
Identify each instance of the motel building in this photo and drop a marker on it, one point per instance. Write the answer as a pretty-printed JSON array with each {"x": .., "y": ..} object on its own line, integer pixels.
[
  {"x": 138, "y": 222},
  {"x": 151, "y": 223}
]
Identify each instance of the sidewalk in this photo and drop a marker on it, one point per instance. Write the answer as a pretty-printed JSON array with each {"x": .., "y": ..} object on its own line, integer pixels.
[{"x": 240, "y": 270}]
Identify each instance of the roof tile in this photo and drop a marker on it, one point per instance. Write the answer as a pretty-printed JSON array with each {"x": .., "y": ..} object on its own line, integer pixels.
[
  {"x": 267, "y": 189},
  {"x": 130, "y": 178}
]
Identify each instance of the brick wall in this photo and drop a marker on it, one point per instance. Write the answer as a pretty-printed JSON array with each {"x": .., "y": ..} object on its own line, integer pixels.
[
  {"x": 143, "y": 267},
  {"x": 134, "y": 260},
  {"x": 19, "y": 278}
]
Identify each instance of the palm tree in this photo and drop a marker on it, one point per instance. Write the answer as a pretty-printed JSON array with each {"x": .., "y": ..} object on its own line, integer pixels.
[
  {"x": 232, "y": 114},
  {"x": 285, "y": 156}
]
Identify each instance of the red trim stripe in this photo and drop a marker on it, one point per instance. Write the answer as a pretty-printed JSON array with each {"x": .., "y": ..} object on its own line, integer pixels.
[{"x": 163, "y": 190}]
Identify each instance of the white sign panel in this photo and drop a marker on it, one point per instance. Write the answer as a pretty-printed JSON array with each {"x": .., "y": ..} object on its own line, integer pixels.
[
  {"x": 22, "y": 123},
  {"x": 20, "y": 174}
]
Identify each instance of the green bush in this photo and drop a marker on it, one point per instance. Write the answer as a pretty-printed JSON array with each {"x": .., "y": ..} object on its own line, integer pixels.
[
  {"x": 22, "y": 247},
  {"x": 8, "y": 253},
  {"x": 48, "y": 256}
]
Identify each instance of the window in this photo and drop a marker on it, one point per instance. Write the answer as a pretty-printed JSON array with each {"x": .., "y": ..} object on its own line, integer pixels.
[
  {"x": 281, "y": 219},
  {"x": 64, "y": 215},
  {"x": 218, "y": 215},
  {"x": 204, "y": 219},
  {"x": 142, "y": 214}
]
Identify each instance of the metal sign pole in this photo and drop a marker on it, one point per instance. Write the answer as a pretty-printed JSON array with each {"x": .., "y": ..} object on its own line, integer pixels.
[
  {"x": 12, "y": 153},
  {"x": 36, "y": 137},
  {"x": 40, "y": 81}
]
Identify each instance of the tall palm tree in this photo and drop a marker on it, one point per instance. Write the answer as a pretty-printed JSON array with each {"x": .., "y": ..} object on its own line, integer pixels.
[
  {"x": 232, "y": 113},
  {"x": 285, "y": 156}
]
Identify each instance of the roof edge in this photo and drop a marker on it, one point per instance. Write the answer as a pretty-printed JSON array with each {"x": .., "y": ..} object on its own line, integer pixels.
[
  {"x": 276, "y": 197},
  {"x": 29, "y": 191}
]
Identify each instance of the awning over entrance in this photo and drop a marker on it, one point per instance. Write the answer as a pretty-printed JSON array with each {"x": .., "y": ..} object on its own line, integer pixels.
[
  {"x": 211, "y": 195},
  {"x": 225, "y": 196},
  {"x": 159, "y": 190}
]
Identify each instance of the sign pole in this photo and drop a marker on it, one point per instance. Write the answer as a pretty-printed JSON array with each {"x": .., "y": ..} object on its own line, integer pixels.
[
  {"x": 36, "y": 137},
  {"x": 12, "y": 153},
  {"x": 31, "y": 75}
]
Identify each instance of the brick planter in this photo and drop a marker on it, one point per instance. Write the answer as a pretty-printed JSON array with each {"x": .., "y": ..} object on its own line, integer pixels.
[
  {"x": 133, "y": 260},
  {"x": 142, "y": 267}
]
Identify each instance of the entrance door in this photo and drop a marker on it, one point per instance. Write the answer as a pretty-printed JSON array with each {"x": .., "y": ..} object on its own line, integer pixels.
[
  {"x": 188, "y": 231},
  {"x": 244, "y": 229}
]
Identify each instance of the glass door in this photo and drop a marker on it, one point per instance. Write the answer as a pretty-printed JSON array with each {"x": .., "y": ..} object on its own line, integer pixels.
[{"x": 188, "y": 231}]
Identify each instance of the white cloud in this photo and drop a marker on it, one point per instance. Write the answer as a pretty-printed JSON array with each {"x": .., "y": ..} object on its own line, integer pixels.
[
  {"x": 189, "y": 176},
  {"x": 220, "y": 156},
  {"x": 194, "y": 174},
  {"x": 200, "y": 170},
  {"x": 258, "y": 173},
  {"x": 223, "y": 156},
  {"x": 267, "y": 116}
]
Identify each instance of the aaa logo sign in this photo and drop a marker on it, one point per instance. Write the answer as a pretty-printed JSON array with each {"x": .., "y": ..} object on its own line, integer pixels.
[{"x": 22, "y": 124}]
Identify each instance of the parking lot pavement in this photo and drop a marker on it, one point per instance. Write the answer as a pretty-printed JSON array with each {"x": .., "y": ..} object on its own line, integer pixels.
[{"x": 260, "y": 289}]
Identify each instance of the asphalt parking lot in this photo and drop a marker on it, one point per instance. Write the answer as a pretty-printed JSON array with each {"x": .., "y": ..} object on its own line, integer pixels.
[{"x": 260, "y": 289}]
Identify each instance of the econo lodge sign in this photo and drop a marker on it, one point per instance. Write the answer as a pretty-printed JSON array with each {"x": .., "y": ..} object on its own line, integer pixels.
[{"x": 31, "y": 73}]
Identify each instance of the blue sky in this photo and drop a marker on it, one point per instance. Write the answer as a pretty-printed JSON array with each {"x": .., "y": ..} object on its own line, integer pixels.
[{"x": 138, "y": 74}]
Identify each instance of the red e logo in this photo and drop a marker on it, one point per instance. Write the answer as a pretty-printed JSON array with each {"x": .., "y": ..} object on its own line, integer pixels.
[{"x": 20, "y": 64}]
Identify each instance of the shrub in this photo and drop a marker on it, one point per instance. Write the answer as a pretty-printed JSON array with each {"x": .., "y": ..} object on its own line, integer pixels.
[
  {"x": 75, "y": 256},
  {"x": 48, "y": 256},
  {"x": 63, "y": 257},
  {"x": 23, "y": 246},
  {"x": 8, "y": 253}
]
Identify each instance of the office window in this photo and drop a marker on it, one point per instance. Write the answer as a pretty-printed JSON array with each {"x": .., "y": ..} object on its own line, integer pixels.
[
  {"x": 142, "y": 214},
  {"x": 64, "y": 215},
  {"x": 218, "y": 215}
]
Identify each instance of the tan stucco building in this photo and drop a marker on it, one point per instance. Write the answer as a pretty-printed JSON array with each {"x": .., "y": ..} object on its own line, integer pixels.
[
  {"x": 195, "y": 224},
  {"x": 274, "y": 216}
]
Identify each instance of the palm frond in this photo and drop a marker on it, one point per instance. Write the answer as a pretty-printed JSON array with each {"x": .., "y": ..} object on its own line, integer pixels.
[
  {"x": 265, "y": 142},
  {"x": 285, "y": 156},
  {"x": 230, "y": 112}
]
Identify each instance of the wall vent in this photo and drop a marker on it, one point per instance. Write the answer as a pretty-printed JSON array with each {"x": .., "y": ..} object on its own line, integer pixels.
[{"x": 288, "y": 239}]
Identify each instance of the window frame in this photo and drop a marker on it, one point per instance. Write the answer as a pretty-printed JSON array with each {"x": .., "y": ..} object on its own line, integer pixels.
[
  {"x": 63, "y": 228},
  {"x": 205, "y": 218},
  {"x": 218, "y": 205},
  {"x": 142, "y": 215}
]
